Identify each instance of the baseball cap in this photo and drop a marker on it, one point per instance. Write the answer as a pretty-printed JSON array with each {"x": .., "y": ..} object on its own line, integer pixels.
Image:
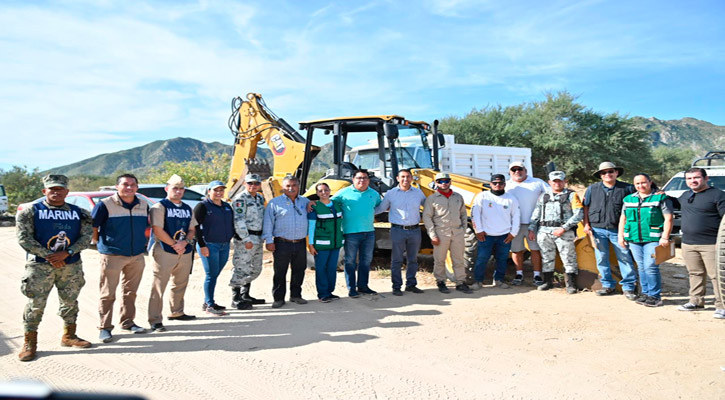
[
  {"x": 215, "y": 184},
  {"x": 51, "y": 181},
  {"x": 175, "y": 181},
  {"x": 498, "y": 178},
  {"x": 442, "y": 175},
  {"x": 517, "y": 164},
  {"x": 252, "y": 178},
  {"x": 554, "y": 175}
]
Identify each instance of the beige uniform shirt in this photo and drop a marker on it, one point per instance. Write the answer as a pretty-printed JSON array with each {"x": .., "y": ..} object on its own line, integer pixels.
[{"x": 442, "y": 215}]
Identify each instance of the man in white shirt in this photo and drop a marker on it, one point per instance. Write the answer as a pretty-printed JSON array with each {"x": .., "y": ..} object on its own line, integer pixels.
[
  {"x": 496, "y": 221},
  {"x": 527, "y": 190}
]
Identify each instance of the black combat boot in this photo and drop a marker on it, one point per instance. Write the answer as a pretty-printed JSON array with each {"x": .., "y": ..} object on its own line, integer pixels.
[
  {"x": 247, "y": 297},
  {"x": 238, "y": 302},
  {"x": 548, "y": 281},
  {"x": 571, "y": 282}
]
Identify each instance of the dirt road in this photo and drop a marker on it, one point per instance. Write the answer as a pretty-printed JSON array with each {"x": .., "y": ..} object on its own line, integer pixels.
[{"x": 513, "y": 344}]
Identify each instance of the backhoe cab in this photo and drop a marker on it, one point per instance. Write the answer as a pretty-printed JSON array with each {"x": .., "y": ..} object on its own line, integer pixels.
[{"x": 390, "y": 134}]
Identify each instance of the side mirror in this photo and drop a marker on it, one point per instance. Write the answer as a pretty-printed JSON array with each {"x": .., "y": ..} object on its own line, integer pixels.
[
  {"x": 391, "y": 131},
  {"x": 550, "y": 167},
  {"x": 441, "y": 140}
]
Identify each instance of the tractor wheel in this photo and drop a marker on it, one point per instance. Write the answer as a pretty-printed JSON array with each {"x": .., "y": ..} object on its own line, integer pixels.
[
  {"x": 720, "y": 256},
  {"x": 471, "y": 253}
]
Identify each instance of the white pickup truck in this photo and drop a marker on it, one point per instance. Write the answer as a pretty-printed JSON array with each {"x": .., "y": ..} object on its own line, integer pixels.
[
  {"x": 464, "y": 159},
  {"x": 714, "y": 165},
  {"x": 3, "y": 200}
]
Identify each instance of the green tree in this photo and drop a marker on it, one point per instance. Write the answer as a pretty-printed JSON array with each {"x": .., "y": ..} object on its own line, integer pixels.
[
  {"x": 669, "y": 161},
  {"x": 561, "y": 130},
  {"x": 21, "y": 185},
  {"x": 215, "y": 167},
  {"x": 89, "y": 183}
]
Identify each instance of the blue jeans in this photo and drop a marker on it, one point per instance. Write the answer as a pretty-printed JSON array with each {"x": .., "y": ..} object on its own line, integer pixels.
[
  {"x": 649, "y": 272},
  {"x": 362, "y": 243},
  {"x": 408, "y": 242},
  {"x": 500, "y": 250},
  {"x": 213, "y": 265},
  {"x": 326, "y": 272},
  {"x": 603, "y": 238}
]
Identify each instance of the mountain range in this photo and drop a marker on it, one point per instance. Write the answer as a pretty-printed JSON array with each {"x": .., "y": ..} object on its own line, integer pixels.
[
  {"x": 142, "y": 158},
  {"x": 700, "y": 136},
  {"x": 695, "y": 134}
]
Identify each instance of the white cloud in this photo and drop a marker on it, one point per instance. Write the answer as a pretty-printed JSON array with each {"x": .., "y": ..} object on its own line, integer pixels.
[{"x": 100, "y": 72}]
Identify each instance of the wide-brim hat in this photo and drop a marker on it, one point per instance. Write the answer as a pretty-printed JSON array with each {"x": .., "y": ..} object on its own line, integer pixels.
[{"x": 608, "y": 165}]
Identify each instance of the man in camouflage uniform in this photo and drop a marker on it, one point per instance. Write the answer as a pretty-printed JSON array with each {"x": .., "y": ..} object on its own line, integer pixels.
[
  {"x": 555, "y": 218},
  {"x": 248, "y": 218},
  {"x": 53, "y": 233}
]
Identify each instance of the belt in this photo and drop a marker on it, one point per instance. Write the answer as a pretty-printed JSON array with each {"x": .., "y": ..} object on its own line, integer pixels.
[
  {"x": 551, "y": 224},
  {"x": 283, "y": 240},
  {"x": 406, "y": 227},
  {"x": 255, "y": 233}
]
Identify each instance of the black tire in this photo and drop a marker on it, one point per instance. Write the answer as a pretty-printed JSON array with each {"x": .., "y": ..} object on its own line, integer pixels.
[
  {"x": 720, "y": 256},
  {"x": 470, "y": 254}
]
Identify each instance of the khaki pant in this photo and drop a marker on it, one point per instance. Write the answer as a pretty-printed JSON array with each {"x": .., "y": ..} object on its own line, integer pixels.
[
  {"x": 701, "y": 264},
  {"x": 111, "y": 269},
  {"x": 456, "y": 244},
  {"x": 166, "y": 266}
]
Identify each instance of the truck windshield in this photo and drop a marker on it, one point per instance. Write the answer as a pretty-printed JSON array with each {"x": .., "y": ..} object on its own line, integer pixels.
[
  {"x": 411, "y": 151},
  {"x": 412, "y": 148},
  {"x": 680, "y": 184}
]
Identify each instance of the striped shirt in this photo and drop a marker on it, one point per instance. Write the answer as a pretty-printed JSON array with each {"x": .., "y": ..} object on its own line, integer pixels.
[{"x": 285, "y": 218}]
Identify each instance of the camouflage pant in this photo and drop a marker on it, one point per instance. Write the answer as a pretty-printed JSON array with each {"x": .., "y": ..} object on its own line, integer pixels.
[
  {"x": 567, "y": 251},
  {"x": 247, "y": 263},
  {"x": 36, "y": 285}
]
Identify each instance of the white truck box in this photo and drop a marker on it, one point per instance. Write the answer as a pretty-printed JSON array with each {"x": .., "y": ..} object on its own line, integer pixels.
[
  {"x": 463, "y": 159},
  {"x": 481, "y": 161}
]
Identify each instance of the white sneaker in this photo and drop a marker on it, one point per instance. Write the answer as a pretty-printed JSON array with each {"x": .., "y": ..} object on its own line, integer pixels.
[
  {"x": 476, "y": 286},
  {"x": 719, "y": 313},
  {"x": 501, "y": 284}
]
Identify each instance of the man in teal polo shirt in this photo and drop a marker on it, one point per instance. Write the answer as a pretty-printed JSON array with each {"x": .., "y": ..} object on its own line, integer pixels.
[{"x": 358, "y": 204}]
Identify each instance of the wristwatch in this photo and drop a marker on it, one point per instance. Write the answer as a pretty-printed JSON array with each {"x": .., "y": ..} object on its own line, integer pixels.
[
  {"x": 191, "y": 241},
  {"x": 70, "y": 252}
]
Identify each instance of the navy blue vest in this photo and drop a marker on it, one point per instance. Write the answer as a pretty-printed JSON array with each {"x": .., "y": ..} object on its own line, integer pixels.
[
  {"x": 56, "y": 229},
  {"x": 176, "y": 223},
  {"x": 604, "y": 210},
  {"x": 218, "y": 225}
]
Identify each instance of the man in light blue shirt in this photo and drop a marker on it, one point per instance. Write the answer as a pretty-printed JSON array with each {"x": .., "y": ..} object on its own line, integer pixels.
[
  {"x": 404, "y": 202},
  {"x": 285, "y": 231},
  {"x": 358, "y": 204}
]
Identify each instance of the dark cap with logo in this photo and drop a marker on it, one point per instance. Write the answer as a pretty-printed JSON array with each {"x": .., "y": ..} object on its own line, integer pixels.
[{"x": 498, "y": 178}]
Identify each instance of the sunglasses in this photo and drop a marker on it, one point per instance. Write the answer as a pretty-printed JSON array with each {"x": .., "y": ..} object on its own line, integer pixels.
[
  {"x": 516, "y": 169},
  {"x": 254, "y": 183},
  {"x": 609, "y": 171},
  {"x": 691, "y": 198},
  {"x": 498, "y": 183},
  {"x": 443, "y": 181}
]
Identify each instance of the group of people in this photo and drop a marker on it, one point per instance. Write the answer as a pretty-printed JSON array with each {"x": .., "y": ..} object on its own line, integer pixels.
[{"x": 517, "y": 213}]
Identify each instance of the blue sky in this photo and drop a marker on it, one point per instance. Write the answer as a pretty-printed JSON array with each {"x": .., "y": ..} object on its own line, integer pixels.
[{"x": 81, "y": 78}]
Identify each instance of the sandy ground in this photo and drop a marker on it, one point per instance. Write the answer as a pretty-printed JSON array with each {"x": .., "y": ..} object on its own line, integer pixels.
[{"x": 510, "y": 344}]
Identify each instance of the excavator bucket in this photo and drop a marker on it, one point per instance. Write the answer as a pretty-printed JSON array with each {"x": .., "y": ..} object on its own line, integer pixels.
[{"x": 587, "y": 262}]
